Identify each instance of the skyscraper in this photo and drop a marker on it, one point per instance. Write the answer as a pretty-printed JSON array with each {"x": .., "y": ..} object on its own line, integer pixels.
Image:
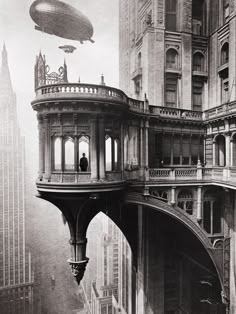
[{"x": 16, "y": 288}]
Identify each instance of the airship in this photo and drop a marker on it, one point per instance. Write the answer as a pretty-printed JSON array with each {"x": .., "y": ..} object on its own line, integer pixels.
[{"x": 61, "y": 19}]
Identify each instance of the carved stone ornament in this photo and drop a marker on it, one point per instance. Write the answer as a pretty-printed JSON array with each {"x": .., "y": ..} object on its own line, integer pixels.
[{"x": 78, "y": 269}]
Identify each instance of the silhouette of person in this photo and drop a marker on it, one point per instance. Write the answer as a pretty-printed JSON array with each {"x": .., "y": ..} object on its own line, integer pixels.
[{"x": 83, "y": 163}]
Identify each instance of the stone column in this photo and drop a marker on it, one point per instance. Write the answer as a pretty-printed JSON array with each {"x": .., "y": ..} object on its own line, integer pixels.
[
  {"x": 48, "y": 161},
  {"x": 214, "y": 153},
  {"x": 199, "y": 203},
  {"x": 227, "y": 150},
  {"x": 41, "y": 147},
  {"x": 173, "y": 195},
  {"x": 141, "y": 146},
  {"x": 101, "y": 150},
  {"x": 121, "y": 149},
  {"x": 94, "y": 159},
  {"x": 146, "y": 128}
]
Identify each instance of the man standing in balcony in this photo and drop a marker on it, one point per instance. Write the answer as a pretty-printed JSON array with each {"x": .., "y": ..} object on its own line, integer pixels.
[{"x": 83, "y": 163}]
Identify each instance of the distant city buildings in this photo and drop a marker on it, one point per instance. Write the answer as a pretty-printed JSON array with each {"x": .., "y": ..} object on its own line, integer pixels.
[
  {"x": 110, "y": 279},
  {"x": 16, "y": 280}
]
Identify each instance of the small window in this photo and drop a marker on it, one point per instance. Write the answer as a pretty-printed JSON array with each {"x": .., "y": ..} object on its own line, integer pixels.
[
  {"x": 139, "y": 60},
  {"x": 172, "y": 59},
  {"x": 198, "y": 62},
  {"x": 197, "y": 94},
  {"x": 225, "y": 54},
  {"x": 171, "y": 15},
  {"x": 171, "y": 91}
]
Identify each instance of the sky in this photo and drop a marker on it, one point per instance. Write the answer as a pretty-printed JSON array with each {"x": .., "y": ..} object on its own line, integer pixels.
[{"x": 88, "y": 62}]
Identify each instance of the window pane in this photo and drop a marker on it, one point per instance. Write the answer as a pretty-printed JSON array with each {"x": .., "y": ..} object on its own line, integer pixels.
[
  {"x": 108, "y": 154},
  {"x": 171, "y": 15},
  {"x": 171, "y": 92},
  {"x": 57, "y": 154},
  {"x": 69, "y": 154}
]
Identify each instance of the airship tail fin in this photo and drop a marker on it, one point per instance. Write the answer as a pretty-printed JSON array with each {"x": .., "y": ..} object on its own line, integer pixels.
[{"x": 92, "y": 41}]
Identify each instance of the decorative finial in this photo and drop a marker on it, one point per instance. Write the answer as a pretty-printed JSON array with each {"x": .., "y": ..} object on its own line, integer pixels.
[{"x": 102, "y": 80}]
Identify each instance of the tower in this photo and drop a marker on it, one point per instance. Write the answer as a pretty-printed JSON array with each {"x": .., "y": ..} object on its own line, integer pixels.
[{"x": 16, "y": 288}]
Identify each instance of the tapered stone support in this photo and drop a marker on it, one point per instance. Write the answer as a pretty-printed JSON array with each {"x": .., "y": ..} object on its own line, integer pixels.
[{"x": 78, "y": 269}]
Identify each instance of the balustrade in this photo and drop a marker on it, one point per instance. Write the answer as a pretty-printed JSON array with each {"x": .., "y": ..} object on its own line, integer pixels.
[{"x": 79, "y": 89}]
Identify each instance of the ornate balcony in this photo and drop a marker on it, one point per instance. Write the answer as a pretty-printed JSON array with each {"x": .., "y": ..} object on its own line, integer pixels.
[{"x": 78, "y": 92}]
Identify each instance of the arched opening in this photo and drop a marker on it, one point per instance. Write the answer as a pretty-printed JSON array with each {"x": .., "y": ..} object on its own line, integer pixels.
[
  {"x": 185, "y": 201},
  {"x": 107, "y": 280},
  {"x": 108, "y": 149},
  {"x": 212, "y": 212},
  {"x": 57, "y": 154},
  {"x": 198, "y": 62},
  {"x": 220, "y": 151},
  {"x": 179, "y": 275},
  {"x": 225, "y": 53},
  {"x": 69, "y": 154},
  {"x": 172, "y": 59},
  {"x": 83, "y": 150}
]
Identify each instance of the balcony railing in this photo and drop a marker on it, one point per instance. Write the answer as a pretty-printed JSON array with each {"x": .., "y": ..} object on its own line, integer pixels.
[
  {"x": 83, "y": 177},
  {"x": 176, "y": 113},
  {"x": 79, "y": 90},
  {"x": 221, "y": 110},
  {"x": 219, "y": 174}
]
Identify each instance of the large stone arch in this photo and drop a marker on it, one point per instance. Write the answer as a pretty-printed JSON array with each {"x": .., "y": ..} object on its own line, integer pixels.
[{"x": 214, "y": 250}]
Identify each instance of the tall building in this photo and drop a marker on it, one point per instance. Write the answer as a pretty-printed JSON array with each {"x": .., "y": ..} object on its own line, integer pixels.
[
  {"x": 111, "y": 287},
  {"x": 16, "y": 286}
]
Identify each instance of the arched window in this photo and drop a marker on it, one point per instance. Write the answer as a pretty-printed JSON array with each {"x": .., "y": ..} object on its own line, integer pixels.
[
  {"x": 220, "y": 151},
  {"x": 171, "y": 15},
  {"x": 69, "y": 154},
  {"x": 172, "y": 59},
  {"x": 57, "y": 154},
  {"x": 225, "y": 53},
  {"x": 108, "y": 149},
  {"x": 198, "y": 62},
  {"x": 84, "y": 147},
  {"x": 212, "y": 212},
  {"x": 185, "y": 201}
]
